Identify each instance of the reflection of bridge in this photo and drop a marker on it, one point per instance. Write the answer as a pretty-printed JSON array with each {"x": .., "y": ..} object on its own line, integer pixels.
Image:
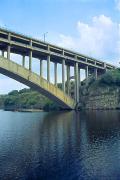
[{"x": 12, "y": 42}]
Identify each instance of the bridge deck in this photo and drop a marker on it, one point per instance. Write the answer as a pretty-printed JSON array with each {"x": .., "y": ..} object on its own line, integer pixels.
[{"x": 21, "y": 44}]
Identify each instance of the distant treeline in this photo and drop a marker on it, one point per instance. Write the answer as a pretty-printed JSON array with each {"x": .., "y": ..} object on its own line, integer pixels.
[{"x": 26, "y": 99}]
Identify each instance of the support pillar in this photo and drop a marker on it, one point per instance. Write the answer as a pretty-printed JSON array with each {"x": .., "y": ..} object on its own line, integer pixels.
[
  {"x": 23, "y": 61},
  {"x": 55, "y": 73},
  {"x": 48, "y": 68},
  {"x": 8, "y": 47},
  {"x": 86, "y": 74},
  {"x": 76, "y": 82},
  {"x": 41, "y": 68},
  {"x": 79, "y": 78},
  {"x": 3, "y": 53},
  {"x": 105, "y": 67},
  {"x": 68, "y": 79},
  {"x": 63, "y": 75},
  {"x": 30, "y": 61},
  {"x": 8, "y": 52},
  {"x": 96, "y": 73}
]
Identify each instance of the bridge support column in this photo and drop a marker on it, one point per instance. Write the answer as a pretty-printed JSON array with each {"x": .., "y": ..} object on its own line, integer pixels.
[
  {"x": 8, "y": 47},
  {"x": 23, "y": 61},
  {"x": 68, "y": 79},
  {"x": 41, "y": 67},
  {"x": 48, "y": 68},
  {"x": 8, "y": 52},
  {"x": 87, "y": 74},
  {"x": 55, "y": 73},
  {"x": 79, "y": 78},
  {"x": 96, "y": 73},
  {"x": 3, "y": 53},
  {"x": 30, "y": 61},
  {"x": 76, "y": 82},
  {"x": 63, "y": 75}
]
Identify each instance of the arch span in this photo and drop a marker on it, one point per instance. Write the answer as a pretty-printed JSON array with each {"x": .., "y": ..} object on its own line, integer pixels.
[{"x": 36, "y": 82}]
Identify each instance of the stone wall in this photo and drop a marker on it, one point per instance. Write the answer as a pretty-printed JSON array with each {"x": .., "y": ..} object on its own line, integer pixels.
[{"x": 108, "y": 100}]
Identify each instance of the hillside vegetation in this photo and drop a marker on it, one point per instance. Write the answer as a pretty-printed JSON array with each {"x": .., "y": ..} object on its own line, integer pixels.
[
  {"x": 26, "y": 99},
  {"x": 108, "y": 81}
]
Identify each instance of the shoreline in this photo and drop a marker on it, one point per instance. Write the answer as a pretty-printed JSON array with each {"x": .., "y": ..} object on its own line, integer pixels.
[{"x": 24, "y": 110}]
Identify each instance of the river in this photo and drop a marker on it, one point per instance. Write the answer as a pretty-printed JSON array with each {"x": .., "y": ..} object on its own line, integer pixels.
[{"x": 60, "y": 145}]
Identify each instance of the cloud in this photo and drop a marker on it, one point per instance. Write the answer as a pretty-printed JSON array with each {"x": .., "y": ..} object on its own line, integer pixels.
[
  {"x": 118, "y": 4},
  {"x": 100, "y": 39}
]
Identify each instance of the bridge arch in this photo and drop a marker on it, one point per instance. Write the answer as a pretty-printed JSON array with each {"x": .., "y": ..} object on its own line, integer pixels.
[{"x": 36, "y": 82}]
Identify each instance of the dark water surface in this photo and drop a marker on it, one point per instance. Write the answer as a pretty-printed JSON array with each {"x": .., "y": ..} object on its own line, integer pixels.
[{"x": 69, "y": 145}]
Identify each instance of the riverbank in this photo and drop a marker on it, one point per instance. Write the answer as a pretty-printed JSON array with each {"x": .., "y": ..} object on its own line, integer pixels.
[{"x": 24, "y": 110}]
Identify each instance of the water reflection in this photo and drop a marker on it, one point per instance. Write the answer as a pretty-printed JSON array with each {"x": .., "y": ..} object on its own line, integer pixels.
[{"x": 69, "y": 145}]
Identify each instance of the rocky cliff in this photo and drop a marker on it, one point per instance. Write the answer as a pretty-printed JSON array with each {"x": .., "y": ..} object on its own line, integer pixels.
[{"x": 103, "y": 93}]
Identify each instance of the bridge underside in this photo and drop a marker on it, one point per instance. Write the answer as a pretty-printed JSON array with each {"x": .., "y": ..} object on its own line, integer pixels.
[{"x": 23, "y": 75}]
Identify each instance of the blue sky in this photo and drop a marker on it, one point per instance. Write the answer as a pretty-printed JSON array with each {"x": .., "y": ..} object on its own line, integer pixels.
[{"x": 88, "y": 26}]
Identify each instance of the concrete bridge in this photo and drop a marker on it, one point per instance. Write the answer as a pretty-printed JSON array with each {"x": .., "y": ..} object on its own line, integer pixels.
[{"x": 11, "y": 42}]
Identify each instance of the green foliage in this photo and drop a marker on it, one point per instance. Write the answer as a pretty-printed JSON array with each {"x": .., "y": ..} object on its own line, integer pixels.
[
  {"x": 111, "y": 78},
  {"x": 14, "y": 93},
  {"x": 50, "y": 106},
  {"x": 26, "y": 99},
  {"x": 25, "y": 90}
]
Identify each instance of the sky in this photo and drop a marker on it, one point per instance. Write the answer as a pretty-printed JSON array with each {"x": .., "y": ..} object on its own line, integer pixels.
[{"x": 91, "y": 27}]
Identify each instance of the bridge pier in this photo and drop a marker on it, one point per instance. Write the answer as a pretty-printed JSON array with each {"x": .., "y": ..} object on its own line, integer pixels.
[
  {"x": 86, "y": 74},
  {"x": 30, "y": 60},
  {"x": 68, "y": 79},
  {"x": 76, "y": 82},
  {"x": 8, "y": 52},
  {"x": 79, "y": 77},
  {"x": 23, "y": 60},
  {"x": 55, "y": 74},
  {"x": 3, "y": 53},
  {"x": 48, "y": 68},
  {"x": 95, "y": 73},
  {"x": 8, "y": 47},
  {"x": 63, "y": 75},
  {"x": 41, "y": 67}
]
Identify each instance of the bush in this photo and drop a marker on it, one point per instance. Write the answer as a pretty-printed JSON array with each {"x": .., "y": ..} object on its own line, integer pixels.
[
  {"x": 111, "y": 78},
  {"x": 13, "y": 93}
]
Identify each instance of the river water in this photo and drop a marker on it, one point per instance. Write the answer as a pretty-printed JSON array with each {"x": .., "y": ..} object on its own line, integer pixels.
[{"x": 60, "y": 145}]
